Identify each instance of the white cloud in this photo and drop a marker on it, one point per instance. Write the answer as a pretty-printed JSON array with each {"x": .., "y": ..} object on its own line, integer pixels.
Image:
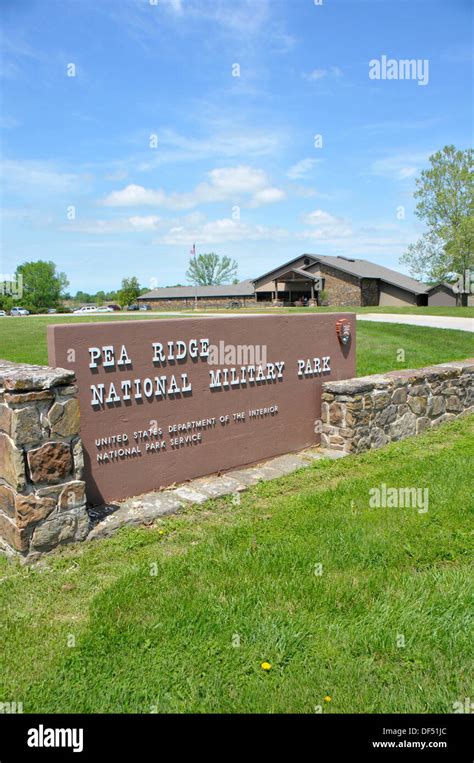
[
  {"x": 220, "y": 231},
  {"x": 407, "y": 172},
  {"x": 267, "y": 196},
  {"x": 317, "y": 74},
  {"x": 325, "y": 226},
  {"x": 149, "y": 222},
  {"x": 41, "y": 177},
  {"x": 301, "y": 168},
  {"x": 400, "y": 166},
  {"x": 330, "y": 234},
  {"x": 134, "y": 196},
  {"x": 174, "y": 5},
  {"x": 224, "y": 184},
  {"x": 325, "y": 232},
  {"x": 319, "y": 217},
  {"x": 225, "y": 140},
  {"x": 240, "y": 17},
  {"x": 241, "y": 179},
  {"x": 243, "y": 17},
  {"x": 134, "y": 224}
]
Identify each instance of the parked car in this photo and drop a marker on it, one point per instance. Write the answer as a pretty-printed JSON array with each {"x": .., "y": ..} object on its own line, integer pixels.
[
  {"x": 115, "y": 308},
  {"x": 2, "y": 313},
  {"x": 143, "y": 308},
  {"x": 19, "y": 311},
  {"x": 133, "y": 307},
  {"x": 51, "y": 310},
  {"x": 104, "y": 310},
  {"x": 86, "y": 309}
]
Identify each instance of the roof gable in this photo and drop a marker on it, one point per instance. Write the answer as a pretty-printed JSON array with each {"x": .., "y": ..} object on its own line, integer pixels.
[
  {"x": 288, "y": 264},
  {"x": 366, "y": 269}
]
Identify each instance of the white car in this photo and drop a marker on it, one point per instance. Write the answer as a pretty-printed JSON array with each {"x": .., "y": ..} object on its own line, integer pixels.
[
  {"x": 91, "y": 309},
  {"x": 2, "y": 313},
  {"x": 19, "y": 311}
]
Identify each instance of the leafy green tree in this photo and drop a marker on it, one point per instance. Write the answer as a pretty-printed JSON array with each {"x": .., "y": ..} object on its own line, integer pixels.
[
  {"x": 83, "y": 297},
  {"x": 129, "y": 292},
  {"x": 211, "y": 270},
  {"x": 6, "y": 302},
  {"x": 100, "y": 297},
  {"x": 43, "y": 286},
  {"x": 445, "y": 194}
]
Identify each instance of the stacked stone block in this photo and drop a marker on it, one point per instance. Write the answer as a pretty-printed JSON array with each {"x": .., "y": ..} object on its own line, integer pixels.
[
  {"x": 371, "y": 411},
  {"x": 42, "y": 491}
]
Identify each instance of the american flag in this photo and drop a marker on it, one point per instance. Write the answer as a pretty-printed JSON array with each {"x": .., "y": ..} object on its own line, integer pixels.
[{"x": 193, "y": 251}]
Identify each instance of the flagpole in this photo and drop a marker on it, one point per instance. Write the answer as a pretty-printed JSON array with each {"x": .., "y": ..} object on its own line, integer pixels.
[
  {"x": 195, "y": 281},
  {"x": 193, "y": 254}
]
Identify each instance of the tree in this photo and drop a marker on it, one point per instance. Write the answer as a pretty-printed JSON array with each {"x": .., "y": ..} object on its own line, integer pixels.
[
  {"x": 445, "y": 194},
  {"x": 6, "y": 302},
  {"x": 83, "y": 296},
  {"x": 211, "y": 270},
  {"x": 129, "y": 292},
  {"x": 42, "y": 285}
]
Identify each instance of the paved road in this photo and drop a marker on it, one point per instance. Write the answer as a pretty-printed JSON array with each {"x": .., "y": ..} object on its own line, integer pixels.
[{"x": 433, "y": 321}]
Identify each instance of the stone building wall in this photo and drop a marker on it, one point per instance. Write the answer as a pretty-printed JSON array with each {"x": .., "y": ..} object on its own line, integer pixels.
[
  {"x": 188, "y": 302},
  {"x": 42, "y": 491},
  {"x": 342, "y": 288},
  {"x": 370, "y": 292},
  {"x": 371, "y": 411}
]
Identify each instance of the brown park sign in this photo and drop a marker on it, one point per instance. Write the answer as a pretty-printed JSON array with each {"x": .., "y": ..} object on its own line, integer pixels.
[{"x": 164, "y": 401}]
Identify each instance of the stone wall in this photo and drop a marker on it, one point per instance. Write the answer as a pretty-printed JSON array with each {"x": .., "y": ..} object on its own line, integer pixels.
[
  {"x": 188, "y": 302},
  {"x": 342, "y": 288},
  {"x": 42, "y": 492},
  {"x": 371, "y": 411},
  {"x": 370, "y": 291}
]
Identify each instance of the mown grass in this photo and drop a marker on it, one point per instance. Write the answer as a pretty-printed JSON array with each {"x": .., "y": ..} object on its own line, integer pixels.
[
  {"x": 454, "y": 312},
  {"x": 380, "y": 347},
  {"x": 235, "y": 585},
  {"x": 383, "y": 347}
]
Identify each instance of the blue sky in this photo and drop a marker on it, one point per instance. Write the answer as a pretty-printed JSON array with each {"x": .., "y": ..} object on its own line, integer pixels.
[{"x": 154, "y": 144}]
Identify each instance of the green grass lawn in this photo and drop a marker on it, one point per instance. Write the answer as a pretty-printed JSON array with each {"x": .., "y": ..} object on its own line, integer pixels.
[
  {"x": 378, "y": 344},
  {"x": 92, "y": 630},
  {"x": 454, "y": 312}
]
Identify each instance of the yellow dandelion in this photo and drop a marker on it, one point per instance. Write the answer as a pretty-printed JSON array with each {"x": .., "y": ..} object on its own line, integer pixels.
[
  {"x": 327, "y": 698},
  {"x": 265, "y": 666}
]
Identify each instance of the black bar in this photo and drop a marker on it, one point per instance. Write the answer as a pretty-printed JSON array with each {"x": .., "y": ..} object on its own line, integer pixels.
[{"x": 154, "y": 737}]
